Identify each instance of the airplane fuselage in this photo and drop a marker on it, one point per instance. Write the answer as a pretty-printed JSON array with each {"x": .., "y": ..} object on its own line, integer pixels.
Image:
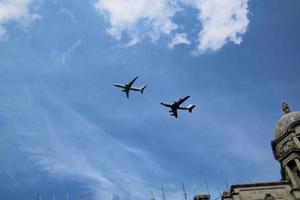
[
  {"x": 128, "y": 87},
  {"x": 176, "y": 106}
]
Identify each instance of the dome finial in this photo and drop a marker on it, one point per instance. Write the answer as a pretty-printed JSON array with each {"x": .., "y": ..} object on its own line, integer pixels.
[{"x": 285, "y": 107}]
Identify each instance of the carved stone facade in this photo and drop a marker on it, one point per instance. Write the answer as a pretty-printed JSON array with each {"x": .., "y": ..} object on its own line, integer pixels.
[
  {"x": 260, "y": 191},
  {"x": 286, "y": 149}
]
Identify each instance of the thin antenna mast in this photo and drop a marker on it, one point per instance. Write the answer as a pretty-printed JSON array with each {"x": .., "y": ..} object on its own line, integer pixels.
[
  {"x": 152, "y": 195},
  {"x": 79, "y": 196},
  {"x": 184, "y": 192},
  {"x": 227, "y": 184},
  {"x": 205, "y": 182},
  {"x": 163, "y": 192},
  {"x": 89, "y": 196},
  {"x": 129, "y": 195},
  {"x": 38, "y": 196},
  {"x": 194, "y": 188}
]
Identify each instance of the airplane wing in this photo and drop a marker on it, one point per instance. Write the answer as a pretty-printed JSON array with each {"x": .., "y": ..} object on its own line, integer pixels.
[
  {"x": 127, "y": 93},
  {"x": 131, "y": 82},
  {"x": 167, "y": 105},
  {"x": 182, "y": 100},
  {"x": 174, "y": 112},
  {"x": 119, "y": 85}
]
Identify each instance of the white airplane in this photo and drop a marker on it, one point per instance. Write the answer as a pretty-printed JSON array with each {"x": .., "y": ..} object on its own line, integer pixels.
[
  {"x": 176, "y": 106},
  {"x": 127, "y": 87}
]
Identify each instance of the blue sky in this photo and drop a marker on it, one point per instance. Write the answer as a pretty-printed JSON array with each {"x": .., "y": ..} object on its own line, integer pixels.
[{"x": 65, "y": 128}]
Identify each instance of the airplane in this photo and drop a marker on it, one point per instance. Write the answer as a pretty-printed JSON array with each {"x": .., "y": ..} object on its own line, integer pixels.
[
  {"x": 176, "y": 106},
  {"x": 128, "y": 86}
]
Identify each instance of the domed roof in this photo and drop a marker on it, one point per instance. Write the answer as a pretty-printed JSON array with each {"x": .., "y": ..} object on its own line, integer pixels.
[{"x": 285, "y": 122}]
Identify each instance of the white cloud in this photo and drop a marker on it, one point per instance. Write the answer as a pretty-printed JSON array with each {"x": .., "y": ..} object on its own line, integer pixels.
[
  {"x": 68, "y": 13},
  {"x": 222, "y": 21},
  {"x": 67, "y": 54},
  {"x": 134, "y": 16},
  {"x": 70, "y": 146},
  {"x": 179, "y": 38},
  {"x": 14, "y": 10}
]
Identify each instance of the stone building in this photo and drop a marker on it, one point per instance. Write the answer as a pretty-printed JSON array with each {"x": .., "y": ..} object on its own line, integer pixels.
[{"x": 286, "y": 150}]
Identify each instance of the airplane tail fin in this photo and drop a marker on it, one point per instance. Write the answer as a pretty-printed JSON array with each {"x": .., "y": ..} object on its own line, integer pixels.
[
  {"x": 191, "y": 108},
  {"x": 143, "y": 88}
]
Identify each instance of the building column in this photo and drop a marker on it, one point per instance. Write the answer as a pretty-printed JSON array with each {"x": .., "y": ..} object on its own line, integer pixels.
[
  {"x": 290, "y": 174},
  {"x": 297, "y": 142},
  {"x": 297, "y": 130},
  {"x": 297, "y": 163}
]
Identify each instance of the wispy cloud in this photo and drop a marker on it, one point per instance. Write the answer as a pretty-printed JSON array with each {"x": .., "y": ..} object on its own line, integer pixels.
[
  {"x": 179, "y": 38},
  {"x": 69, "y": 145},
  {"x": 68, "y": 13},
  {"x": 222, "y": 21},
  {"x": 15, "y": 10},
  {"x": 63, "y": 57}
]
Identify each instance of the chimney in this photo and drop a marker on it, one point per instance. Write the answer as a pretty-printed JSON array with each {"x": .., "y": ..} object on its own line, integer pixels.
[{"x": 201, "y": 197}]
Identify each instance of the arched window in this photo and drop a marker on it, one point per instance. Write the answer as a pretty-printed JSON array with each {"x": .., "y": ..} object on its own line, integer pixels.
[{"x": 269, "y": 197}]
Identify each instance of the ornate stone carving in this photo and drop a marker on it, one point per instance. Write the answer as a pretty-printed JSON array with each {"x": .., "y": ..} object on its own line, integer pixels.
[
  {"x": 281, "y": 149},
  {"x": 285, "y": 107}
]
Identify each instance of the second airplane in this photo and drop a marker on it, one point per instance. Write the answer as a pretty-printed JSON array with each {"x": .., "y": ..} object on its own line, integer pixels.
[{"x": 176, "y": 106}]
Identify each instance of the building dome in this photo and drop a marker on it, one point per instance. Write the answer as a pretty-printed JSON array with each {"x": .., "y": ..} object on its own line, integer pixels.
[{"x": 285, "y": 123}]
